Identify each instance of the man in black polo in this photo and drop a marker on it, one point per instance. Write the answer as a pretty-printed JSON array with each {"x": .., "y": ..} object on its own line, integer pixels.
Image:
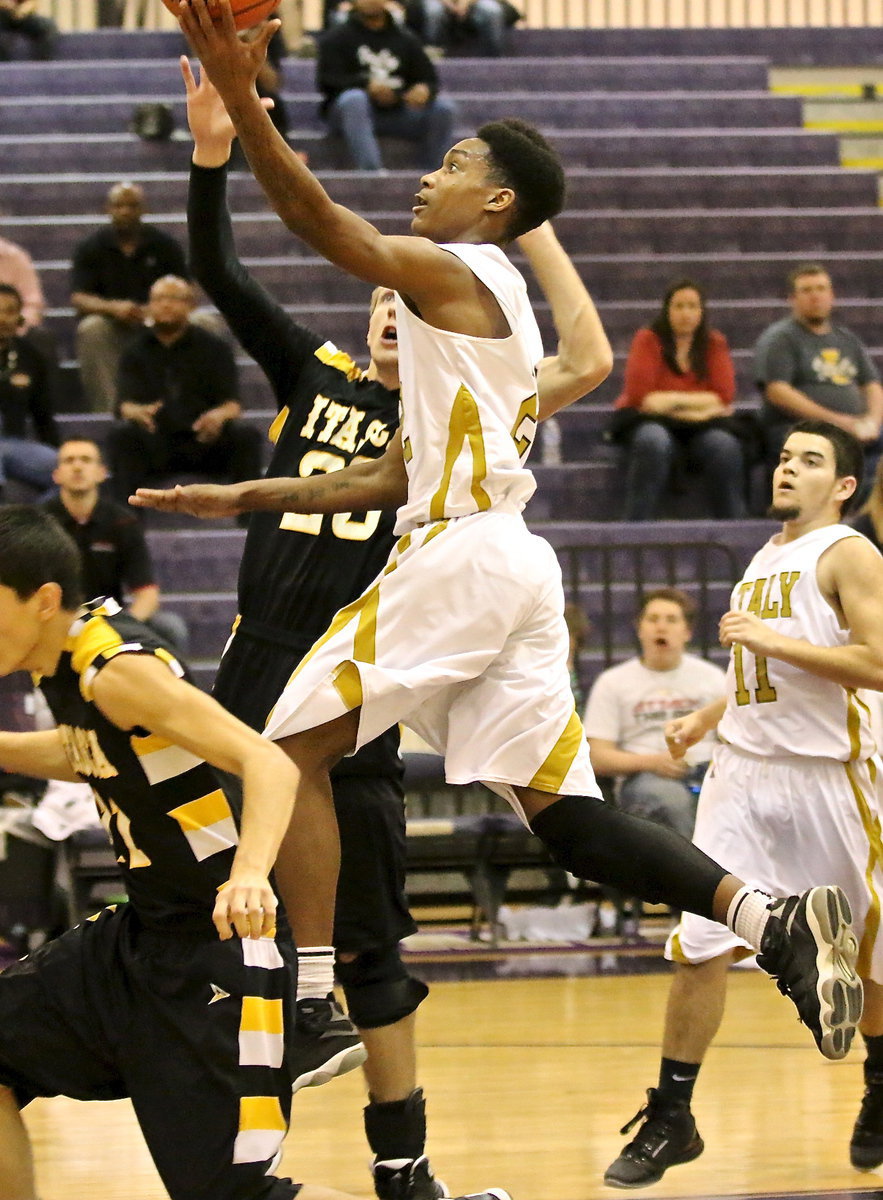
[
  {"x": 113, "y": 270},
  {"x": 177, "y": 400},
  {"x": 116, "y": 559},
  {"x": 27, "y": 401}
]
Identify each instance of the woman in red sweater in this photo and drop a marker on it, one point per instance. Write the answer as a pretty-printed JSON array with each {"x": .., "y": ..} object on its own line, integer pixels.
[{"x": 679, "y": 392}]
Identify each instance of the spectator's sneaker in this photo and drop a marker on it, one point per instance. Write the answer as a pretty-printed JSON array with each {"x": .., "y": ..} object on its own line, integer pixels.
[
  {"x": 407, "y": 1179},
  {"x": 668, "y": 1136},
  {"x": 866, "y": 1147},
  {"x": 325, "y": 1043},
  {"x": 810, "y": 949}
]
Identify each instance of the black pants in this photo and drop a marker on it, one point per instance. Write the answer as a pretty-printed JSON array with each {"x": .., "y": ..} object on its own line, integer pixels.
[{"x": 134, "y": 455}]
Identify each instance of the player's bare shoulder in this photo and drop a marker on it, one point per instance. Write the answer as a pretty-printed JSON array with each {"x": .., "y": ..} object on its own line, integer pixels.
[{"x": 850, "y": 568}]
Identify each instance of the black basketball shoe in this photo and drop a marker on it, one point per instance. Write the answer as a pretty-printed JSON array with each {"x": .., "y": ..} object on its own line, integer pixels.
[
  {"x": 407, "y": 1179},
  {"x": 866, "y": 1147},
  {"x": 810, "y": 949},
  {"x": 325, "y": 1043},
  {"x": 668, "y": 1136}
]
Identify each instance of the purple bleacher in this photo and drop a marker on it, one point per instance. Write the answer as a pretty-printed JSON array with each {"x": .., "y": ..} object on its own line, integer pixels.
[
  {"x": 626, "y": 187},
  {"x": 819, "y": 46},
  {"x": 127, "y": 155},
  {"x": 131, "y": 76},
  {"x": 811, "y": 46},
  {"x": 553, "y": 110}
]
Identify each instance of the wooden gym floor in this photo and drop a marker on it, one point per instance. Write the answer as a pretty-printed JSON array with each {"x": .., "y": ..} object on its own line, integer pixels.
[{"x": 528, "y": 1081}]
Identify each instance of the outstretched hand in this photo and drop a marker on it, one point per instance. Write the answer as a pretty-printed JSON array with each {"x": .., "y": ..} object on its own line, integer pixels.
[
  {"x": 197, "y": 499},
  {"x": 213, "y": 131},
  {"x": 231, "y": 64}
]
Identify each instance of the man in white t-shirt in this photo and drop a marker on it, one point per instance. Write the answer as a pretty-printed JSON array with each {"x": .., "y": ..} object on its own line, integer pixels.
[{"x": 630, "y": 705}]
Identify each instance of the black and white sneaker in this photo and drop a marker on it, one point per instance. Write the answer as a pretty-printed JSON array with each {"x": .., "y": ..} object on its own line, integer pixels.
[
  {"x": 810, "y": 949},
  {"x": 325, "y": 1043},
  {"x": 866, "y": 1146},
  {"x": 407, "y": 1179},
  {"x": 668, "y": 1137}
]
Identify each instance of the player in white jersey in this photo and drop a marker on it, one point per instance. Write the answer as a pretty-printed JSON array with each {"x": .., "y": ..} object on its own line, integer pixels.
[
  {"x": 793, "y": 794},
  {"x": 462, "y": 636}
]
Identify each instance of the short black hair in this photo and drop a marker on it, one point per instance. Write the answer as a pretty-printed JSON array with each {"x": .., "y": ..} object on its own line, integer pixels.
[
  {"x": 522, "y": 159},
  {"x": 849, "y": 454},
  {"x": 34, "y": 549}
]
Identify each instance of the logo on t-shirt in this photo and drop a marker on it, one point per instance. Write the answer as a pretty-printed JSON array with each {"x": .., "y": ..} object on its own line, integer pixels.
[{"x": 831, "y": 366}]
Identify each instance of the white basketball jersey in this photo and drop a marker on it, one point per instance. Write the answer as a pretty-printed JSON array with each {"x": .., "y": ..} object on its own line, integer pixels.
[
  {"x": 774, "y": 708},
  {"x": 469, "y": 404}
]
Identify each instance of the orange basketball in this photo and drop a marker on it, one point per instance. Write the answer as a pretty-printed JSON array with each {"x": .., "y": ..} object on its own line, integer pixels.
[{"x": 245, "y": 12}]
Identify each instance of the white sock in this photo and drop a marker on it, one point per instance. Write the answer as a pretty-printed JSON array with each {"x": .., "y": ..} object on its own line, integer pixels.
[
  {"x": 315, "y": 972},
  {"x": 748, "y": 914}
]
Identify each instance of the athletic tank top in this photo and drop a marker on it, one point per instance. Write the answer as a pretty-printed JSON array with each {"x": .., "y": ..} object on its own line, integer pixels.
[
  {"x": 773, "y": 707},
  {"x": 469, "y": 404}
]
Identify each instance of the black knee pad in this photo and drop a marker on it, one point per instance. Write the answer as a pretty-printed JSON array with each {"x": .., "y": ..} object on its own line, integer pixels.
[{"x": 378, "y": 989}]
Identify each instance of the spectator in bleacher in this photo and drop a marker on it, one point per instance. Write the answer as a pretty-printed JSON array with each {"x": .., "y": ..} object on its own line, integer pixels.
[
  {"x": 178, "y": 401},
  {"x": 19, "y": 18},
  {"x": 113, "y": 270},
  {"x": 17, "y": 269},
  {"x": 377, "y": 80},
  {"x": 630, "y": 705},
  {"x": 675, "y": 411},
  {"x": 26, "y": 398},
  {"x": 113, "y": 12},
  {"x": 810, "y": 368},
  {"x": 481, "y": 24},
  {"x": 114, "y": 553}
]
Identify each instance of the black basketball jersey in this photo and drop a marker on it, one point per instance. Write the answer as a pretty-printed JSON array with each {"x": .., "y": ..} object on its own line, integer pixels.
[
  {"x": 173, "y": 825},
  {"x": 298, "y": 570}
]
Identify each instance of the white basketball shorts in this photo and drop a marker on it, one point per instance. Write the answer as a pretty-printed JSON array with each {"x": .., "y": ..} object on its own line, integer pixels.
[
  {"x": 461, "y": 638},
  {"x": 784, "y": 825}
]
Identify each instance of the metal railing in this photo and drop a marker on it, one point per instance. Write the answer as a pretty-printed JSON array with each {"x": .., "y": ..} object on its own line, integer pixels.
[{"x": 626, "y": 570}]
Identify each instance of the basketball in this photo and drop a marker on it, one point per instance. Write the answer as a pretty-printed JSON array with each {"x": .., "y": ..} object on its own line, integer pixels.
[{"x": 245, "y": 12}]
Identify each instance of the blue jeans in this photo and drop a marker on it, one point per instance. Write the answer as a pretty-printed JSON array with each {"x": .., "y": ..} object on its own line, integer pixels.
[
  {"x": 715, "y": 453},
  {"x": 360, "y": 123},
  {"x": 665, "y": 801},
  {"x": 28, "y": 462}
]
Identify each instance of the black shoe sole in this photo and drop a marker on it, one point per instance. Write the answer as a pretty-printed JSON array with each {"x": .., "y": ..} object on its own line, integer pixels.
[{"x": 691, "y": 1152}]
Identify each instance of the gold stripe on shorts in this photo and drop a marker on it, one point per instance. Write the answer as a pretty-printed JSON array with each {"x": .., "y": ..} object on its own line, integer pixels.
[
  {"x": 553, "y": 772},
  {"x": 871, "y": 826}
]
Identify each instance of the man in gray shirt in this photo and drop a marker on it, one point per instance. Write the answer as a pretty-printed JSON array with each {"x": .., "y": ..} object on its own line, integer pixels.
[{"x": 809, "y": 368}]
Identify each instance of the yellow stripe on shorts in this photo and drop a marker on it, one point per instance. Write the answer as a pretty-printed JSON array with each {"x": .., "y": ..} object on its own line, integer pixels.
[{"x": 553, "y": 772}]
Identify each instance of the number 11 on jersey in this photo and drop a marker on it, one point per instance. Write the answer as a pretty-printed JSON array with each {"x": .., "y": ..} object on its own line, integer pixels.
[{"x": 764, "y": 693}]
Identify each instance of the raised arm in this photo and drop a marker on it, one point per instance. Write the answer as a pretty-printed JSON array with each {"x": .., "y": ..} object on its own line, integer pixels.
[
  {"x": 584, "y": 358},
  {"x": 413, "y": 266}
]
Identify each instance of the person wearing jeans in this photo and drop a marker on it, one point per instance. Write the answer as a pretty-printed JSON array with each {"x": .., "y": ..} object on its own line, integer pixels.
[
  {"x": 26, "y": 396},
  {"x": 377, "y": 81},
  {"x": 676, "y": 408}
]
